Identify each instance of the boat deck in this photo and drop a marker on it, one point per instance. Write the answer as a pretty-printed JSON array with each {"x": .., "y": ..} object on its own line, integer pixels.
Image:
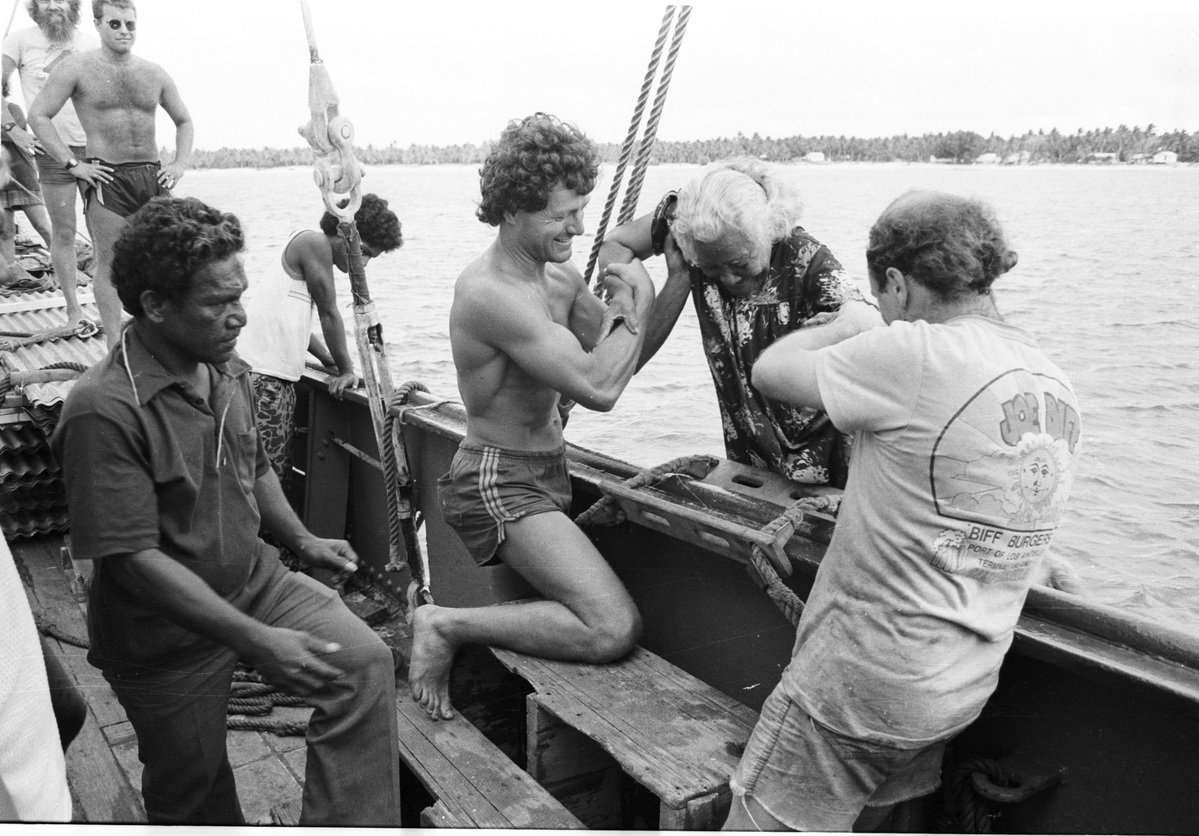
[{"x": 103, "y": 769}]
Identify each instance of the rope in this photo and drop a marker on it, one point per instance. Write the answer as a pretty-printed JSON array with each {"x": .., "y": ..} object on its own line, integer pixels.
[
  {"x": 282, "y": 728},
  {"x": 250, "y": 705},
  {"x": 768, "y": 559},
  {"x": 651, "y": 127},
  {"x": 337, "y": 172},
  {"x": 65, "y": 370},
  {"x": 763, "y": 574},
  {"x": 420, "y": 591},
  {"x": 626, "y": 149},
  {"x": 49, "y": 628},
  {"x": 606, "y": 510},
  {"x": 976, "y": 785},
  {"x": 83, "y": 330},
  {"x": 768, "y": 562},
  {"x": 250, "y": 689}
]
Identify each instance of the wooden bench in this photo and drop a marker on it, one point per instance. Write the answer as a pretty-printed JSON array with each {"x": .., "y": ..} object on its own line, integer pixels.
[
  {"x": 669, "y": 732},
  {"x": 472, "y": 782}
]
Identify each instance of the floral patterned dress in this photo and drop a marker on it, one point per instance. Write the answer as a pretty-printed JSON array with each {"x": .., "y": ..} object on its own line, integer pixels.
[{"x": 805, "y": 279}]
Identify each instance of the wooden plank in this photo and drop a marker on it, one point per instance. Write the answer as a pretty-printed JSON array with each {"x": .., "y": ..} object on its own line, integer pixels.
[
  {"x": 574, "y": 769},
  {"x": 475, "y": 783},
  {"x": 101, "y": 791},
  {"x": 671, "y": 732}
]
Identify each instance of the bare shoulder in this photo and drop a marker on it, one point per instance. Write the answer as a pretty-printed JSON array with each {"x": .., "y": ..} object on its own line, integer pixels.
[
  {"x": 566, "y": 271},
  {"x": 149, "y": 70},
  {"x": 309, "y": 252},
  {"x": 477, "y": 287}
]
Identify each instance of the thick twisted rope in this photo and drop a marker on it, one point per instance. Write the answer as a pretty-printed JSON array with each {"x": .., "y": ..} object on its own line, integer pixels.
[
  {"x": 651, "y": 127},
  {"x": 282, "y": 728},
  {"x": 251, "y": 698},
  {"x": 421, "y": 593},
  {"x": 626, "y": 149}
]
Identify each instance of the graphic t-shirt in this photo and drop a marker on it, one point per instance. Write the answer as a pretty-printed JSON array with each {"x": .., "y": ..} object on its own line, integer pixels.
[
  {"x": 965, "y": 441},
  {"x": 36, "y": 57}
]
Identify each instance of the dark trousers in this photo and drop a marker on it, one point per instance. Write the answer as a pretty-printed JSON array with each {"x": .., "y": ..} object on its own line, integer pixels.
[{"x": 178, "y": 713}]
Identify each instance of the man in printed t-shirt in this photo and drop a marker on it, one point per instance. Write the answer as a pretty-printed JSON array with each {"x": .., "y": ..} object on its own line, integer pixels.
[
  {"x": 34, "y": 52},
  {"x": 965, "y": 437}
]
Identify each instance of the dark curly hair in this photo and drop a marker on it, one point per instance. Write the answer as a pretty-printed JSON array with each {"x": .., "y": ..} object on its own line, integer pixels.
[
  {"x": 952, "y": 245},
  {"x": 534, "y": 155},
  {"x": 165, "y": 243},
  {"x": 377, "y": 225}
]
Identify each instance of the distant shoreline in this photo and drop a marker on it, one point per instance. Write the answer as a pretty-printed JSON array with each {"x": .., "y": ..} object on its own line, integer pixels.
[
  {"x": 1107, "y": 146},
  {"x": 798, "y": 164}
]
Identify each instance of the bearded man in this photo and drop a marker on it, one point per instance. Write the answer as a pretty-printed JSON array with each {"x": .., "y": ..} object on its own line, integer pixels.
[{"x": 34, "y": 52}]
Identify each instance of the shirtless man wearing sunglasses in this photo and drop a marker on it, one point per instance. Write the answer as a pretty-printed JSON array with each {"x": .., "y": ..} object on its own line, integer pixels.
[{"x": 116, "y": 96}]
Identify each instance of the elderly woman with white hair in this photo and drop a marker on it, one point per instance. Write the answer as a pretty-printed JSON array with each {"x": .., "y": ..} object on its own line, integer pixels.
[{"x": 732, "y": 241}]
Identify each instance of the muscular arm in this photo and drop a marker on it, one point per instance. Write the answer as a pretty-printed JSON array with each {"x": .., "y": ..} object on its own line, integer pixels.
[
  {"x": 786, "y": 370},
  {"x": 58, "y": 90},
  {"x": 550, "y": 353},
  {"x": 633, "y": 240},
  {"x": 315, "y": 262},
  {"x": 185, "y": 133}
]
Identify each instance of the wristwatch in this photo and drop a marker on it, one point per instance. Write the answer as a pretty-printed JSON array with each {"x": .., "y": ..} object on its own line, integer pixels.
[{"x": 71, "y": 163}]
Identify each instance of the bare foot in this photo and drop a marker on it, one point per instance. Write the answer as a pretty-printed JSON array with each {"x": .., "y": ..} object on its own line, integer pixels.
[{"x": 429, "y": 670}]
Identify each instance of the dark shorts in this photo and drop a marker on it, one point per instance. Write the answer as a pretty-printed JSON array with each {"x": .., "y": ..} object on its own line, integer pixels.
[
  {"x": 809, "y": 777},
  {"x": 132, "y": 186},
  {"x": 53, "y": 173},
  {"x": 487, "y": 488}
]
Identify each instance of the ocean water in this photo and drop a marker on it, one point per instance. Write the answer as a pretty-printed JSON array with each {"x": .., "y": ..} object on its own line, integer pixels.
[{"x": 1108, "y": 281}]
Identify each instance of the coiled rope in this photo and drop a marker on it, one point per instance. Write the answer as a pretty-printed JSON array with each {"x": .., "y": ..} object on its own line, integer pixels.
[
  {"x": 976, "y": 785},
  {"x": 626, "y": 148},
  {"x": 251, "y": 699}
]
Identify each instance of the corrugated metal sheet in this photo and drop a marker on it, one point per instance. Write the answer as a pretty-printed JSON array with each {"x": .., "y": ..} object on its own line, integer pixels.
[{"x": 33, "y": 337}]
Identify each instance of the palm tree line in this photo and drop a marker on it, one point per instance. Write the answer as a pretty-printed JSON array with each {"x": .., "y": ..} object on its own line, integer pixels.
[{"x": 1121, "y": 144}]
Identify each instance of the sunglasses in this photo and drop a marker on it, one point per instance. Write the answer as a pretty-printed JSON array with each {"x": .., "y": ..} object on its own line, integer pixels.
[{"x": 114, "y": 24}]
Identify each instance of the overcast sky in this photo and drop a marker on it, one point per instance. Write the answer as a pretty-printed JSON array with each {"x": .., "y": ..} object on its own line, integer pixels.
[{"x": 449, "y": 72}]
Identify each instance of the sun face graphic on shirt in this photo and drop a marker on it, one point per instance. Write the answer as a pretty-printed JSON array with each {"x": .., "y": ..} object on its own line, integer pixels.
[{"x": 1036, "y": 474}]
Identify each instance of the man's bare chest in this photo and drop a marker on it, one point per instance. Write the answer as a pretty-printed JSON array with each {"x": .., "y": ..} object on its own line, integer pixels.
[{"x": 121, "y": 88}]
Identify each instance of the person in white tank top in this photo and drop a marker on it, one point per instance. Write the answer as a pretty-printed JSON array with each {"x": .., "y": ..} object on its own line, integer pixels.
[{"x": 280, "y": 307}]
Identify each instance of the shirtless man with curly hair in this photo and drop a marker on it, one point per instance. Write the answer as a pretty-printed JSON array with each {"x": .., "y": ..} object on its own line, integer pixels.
[{"x": 526, "y": 331}]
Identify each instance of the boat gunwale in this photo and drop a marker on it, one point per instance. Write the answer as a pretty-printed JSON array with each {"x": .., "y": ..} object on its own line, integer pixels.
[{"x": 1177, "y": 649}]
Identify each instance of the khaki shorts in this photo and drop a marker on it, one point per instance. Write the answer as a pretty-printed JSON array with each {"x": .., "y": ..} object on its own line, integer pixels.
[
  {"x": 51, "y": 172},
  {"x": 487, "y": 488},
  {"x": 809, "y": 777}
]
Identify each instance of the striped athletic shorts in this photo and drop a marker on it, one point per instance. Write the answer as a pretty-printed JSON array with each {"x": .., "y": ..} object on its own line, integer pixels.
[{"x": 487, "y": 488}]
